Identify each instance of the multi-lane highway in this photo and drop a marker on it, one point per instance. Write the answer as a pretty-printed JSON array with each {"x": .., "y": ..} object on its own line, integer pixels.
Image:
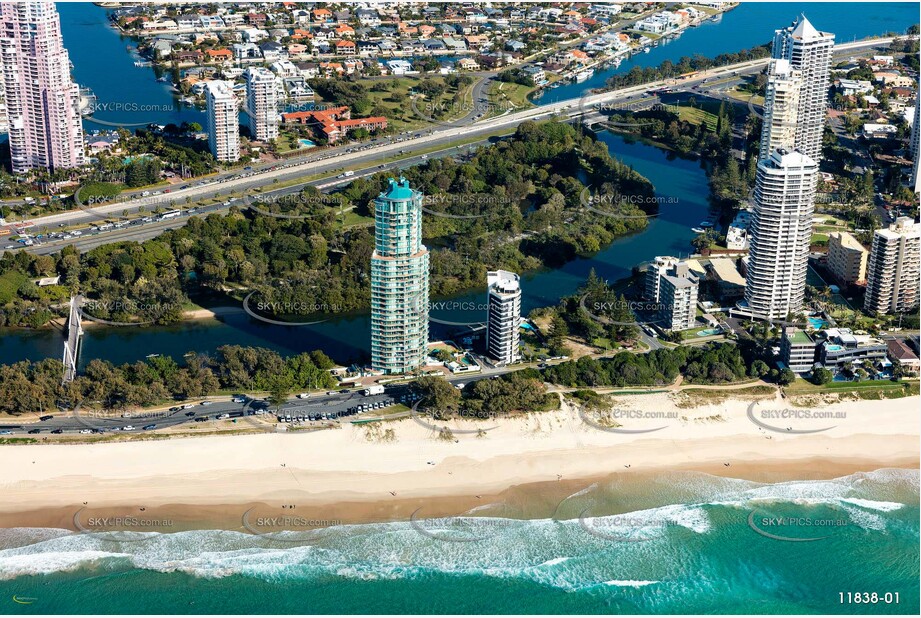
[
  {"x": 362, "y": 159},
  {"x": 315, "y": 410},
  {"x": 331, "y": 407}
]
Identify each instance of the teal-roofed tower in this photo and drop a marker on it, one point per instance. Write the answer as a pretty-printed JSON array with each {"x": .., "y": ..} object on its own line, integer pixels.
[{"x": 399, "y": 281}]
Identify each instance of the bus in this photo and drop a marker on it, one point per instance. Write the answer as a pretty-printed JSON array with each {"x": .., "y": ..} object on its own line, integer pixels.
[{"x": 170, "y": 214}]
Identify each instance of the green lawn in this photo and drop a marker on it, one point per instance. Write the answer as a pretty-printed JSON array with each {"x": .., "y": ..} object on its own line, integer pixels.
[
  {"x": 817, "y": 238},
  {"x": 697, "y": 116},
  {"x": 507, "y": 95},
  {"x": 401, "y": 116},
  {"x": 867, "y": 389},
  {"x": 9, "y": 285}
]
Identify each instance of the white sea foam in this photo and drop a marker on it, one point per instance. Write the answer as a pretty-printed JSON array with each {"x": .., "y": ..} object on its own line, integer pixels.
[
  {"x": 561, "y": 554},
  {"x": 630, "y": 583},
  {"x": 876, "y": 505}
]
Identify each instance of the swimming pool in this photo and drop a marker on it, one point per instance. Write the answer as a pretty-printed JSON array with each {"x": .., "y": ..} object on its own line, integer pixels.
[
  {"x": 305, "y": 143},
  {"x": 817, "y": 323},
  {"x": 709, "y": 332},
  {"x": 835, "y": 348}
]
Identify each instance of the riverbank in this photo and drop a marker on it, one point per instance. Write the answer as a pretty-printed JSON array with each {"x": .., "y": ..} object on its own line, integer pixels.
[{"x": 392, "y": 468}]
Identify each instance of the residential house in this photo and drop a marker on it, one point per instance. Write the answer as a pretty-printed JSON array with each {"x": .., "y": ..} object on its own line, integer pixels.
[
  {"x": 368, "y": 17},
  {"x": 851, "y": 87},
  {"x": 346, "y": 48},
  {"x": 254, "y": 35},
  {"x": 322, "y": 16},
  {"x": 872, "y": 130},
  {"x": 188, "y": 21},
  {"x": 218, "y": 54},
  {"x": 256, "y": 19},
  {"x": 899, "y": 352}
]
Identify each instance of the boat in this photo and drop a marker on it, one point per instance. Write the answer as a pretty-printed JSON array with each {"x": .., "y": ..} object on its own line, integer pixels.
[
  {"x": 152, "y": 356},
  {"x": 698, "y": 230},
  {"x": 706, "y": 224},
  {"x": 581, "y": 76},
  {"x": 645, "y": 50}
]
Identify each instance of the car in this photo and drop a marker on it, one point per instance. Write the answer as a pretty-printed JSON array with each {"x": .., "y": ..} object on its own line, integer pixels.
[
  {"x": 201, "y": 419},
  {"x": 149, "y": 427},
  {"x": 128, "y": 428},
  {"x": 303, "y": 396},
  {"x": 188, "y": 406},
  {"x": 47, "y": 417},
  {"x": 86, "y": 431},
  {"x": 344, "y": 391},
  {"x": 175, "y": 408},
  {"x": 223, "y": 416},
  {"x": 330, "y": 392},
  {"x": 206, "y": 403},
  {"x": 190, "y": 413},
  {"x": 238, "y": 400},
  {"x": 5, "y": 432},
  {"x": 36, "y": 430},
  {"x": 58, "y": 430}
]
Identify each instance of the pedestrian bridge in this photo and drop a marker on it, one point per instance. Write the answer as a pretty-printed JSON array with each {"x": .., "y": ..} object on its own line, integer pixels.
[{"x": 73, "y": 330}]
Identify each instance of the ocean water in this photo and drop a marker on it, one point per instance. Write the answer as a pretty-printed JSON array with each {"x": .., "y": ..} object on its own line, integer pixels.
[{"x": 676, "y": 543}]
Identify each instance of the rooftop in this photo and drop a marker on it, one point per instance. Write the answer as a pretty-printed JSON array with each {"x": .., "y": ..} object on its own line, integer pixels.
[
  {"x": 726, "y": 270},
  {"x": 847, "y": 240},
  {"x": 398, "y": 190},
  {"x": 798, "y": 337}
]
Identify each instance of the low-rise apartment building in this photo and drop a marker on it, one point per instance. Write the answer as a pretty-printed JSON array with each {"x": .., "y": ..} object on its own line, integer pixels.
[
  {"x": 797, "y": 349},
  {"x": 847, "y": 258}
]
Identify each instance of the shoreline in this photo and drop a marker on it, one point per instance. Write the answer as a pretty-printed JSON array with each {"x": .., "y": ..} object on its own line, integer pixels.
[
  {"x": 533, "y": 500},
  {"x": 387, "y": 470}
]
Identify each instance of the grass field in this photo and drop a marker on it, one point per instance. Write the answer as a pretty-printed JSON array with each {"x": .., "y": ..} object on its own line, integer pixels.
[
  {"x": 869, "y": 389},
  {"x": 401, "y": 115},
  {"x": 9, "y": 285},
  {"x": 506, "y": 95},
  {"x": 697, "y": 116}
]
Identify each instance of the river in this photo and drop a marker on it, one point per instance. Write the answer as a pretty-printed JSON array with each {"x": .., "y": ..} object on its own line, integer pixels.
[
  {"x": 683, "y": 194},
  {"x": 103, "y": 63}
]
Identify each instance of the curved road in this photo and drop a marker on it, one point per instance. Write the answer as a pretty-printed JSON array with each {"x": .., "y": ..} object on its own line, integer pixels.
[{"x": 332, "y": 160}]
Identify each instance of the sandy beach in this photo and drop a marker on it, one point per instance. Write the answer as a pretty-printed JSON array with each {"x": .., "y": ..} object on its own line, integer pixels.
[{"x": 367, "y": 473}]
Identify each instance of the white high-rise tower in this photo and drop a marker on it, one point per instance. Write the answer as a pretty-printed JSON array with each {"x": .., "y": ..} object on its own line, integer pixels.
[
  {"x": 781, "y": 102},
  {"x": 223, "y": 122},
  {"x": 503, "y": 319},
  {"x": 809, "y": 52},
  {"x": 915, "y": 145},
  {"x": 262, "y": 103},
  {"x": 894, "y": 268},
  {"x": 780, "y": 232},
  {"x": 43, "y": 102}
]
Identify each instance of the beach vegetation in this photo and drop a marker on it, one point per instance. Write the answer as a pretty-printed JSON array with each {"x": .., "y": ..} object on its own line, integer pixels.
[{"x": 715, "y": 363}]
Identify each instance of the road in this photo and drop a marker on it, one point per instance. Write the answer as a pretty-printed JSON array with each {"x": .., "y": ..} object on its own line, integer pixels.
[
  {"x": 334, "y": 404},
  {"x": 361, "y": 157}
]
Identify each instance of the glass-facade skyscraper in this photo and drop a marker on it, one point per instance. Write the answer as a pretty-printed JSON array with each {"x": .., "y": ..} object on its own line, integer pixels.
[{"x": 399, "y": 281}]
